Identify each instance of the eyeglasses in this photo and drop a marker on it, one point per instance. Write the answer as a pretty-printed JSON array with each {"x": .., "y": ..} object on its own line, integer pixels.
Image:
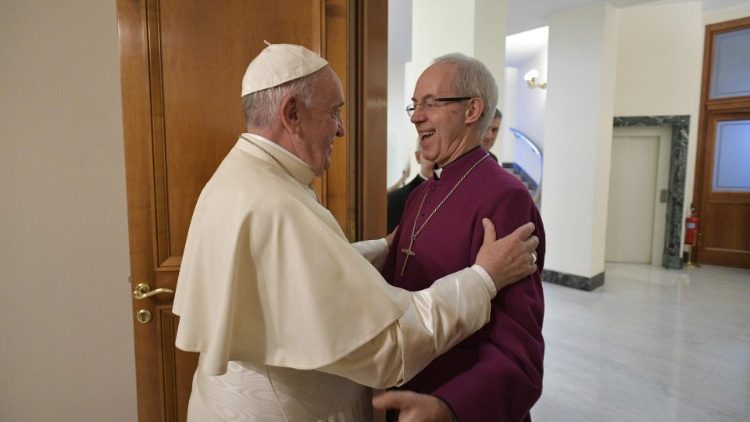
[{"x": 433, "y": 104}]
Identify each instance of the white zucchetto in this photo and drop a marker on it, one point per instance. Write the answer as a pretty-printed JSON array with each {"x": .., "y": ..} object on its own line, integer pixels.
[{"x": 278, "y": 64}]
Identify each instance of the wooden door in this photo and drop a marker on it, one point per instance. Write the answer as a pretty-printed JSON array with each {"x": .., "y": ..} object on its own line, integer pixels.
[
  {"x": 722, "y": 180},
  {"x": 725, "y": 204},
  {"x": 182, "y": 63}
]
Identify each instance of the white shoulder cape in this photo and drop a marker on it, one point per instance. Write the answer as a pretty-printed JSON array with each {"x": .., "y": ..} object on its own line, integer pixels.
[{"x": 268, "y": 276}]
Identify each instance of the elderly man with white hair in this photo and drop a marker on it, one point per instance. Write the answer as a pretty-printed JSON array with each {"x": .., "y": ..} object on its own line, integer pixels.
[{"x": 292, "y": 322}]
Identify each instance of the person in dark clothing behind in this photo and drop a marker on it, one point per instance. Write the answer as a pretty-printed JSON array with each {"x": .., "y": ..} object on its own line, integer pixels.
[
  {"x": 397, "y": 198},
  {"x": 491, "y": 135}
]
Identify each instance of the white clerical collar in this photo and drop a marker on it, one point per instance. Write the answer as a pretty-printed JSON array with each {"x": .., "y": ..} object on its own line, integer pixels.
[
  {"x": 437, "y": 171},
  {"x": 270, "y": 151}
]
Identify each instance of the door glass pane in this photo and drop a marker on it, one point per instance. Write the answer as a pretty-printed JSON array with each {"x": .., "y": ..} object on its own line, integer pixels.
[
  {"x": 731, "y": 61},
  {"x": 732, "y": 156}
]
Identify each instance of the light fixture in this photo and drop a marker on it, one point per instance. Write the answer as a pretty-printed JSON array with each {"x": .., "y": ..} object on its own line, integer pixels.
[{"x": 532, "y": 79}]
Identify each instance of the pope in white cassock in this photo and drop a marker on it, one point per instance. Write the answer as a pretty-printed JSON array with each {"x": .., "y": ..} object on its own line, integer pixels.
[{"x": 292, "y": 322}]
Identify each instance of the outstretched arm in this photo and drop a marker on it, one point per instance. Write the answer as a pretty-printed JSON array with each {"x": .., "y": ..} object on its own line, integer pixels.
[
  {"x": 376, "y": 250},
  {"x": 439, "y": 317}
]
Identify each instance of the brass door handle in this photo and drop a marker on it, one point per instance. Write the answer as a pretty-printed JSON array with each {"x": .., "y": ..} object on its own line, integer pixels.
[{"x": 143, "y": 291}]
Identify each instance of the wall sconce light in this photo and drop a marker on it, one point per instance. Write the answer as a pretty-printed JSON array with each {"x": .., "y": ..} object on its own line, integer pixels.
[{"x": 532, "y": 79}]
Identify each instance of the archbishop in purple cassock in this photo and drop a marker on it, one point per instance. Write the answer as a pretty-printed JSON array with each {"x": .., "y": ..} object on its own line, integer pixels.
[{"x": 496, "y": 374}]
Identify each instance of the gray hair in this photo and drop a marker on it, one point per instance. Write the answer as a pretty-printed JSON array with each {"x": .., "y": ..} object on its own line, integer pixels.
[
  {"x": 473, "y": 79},
  {"x": 260, "y": 107}
]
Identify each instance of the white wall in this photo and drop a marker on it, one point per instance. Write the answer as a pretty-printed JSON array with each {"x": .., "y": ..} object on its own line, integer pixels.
[
  {"x": 525, "y": 112},
  {"x": 659, "y": 68},
  {"x": 659, "y": 59},
  {"x": 489, "y": 40},
  {"x": 525, "y": 107},
  {"x": 66, "y": 339},
  {"x": 527, "y": 115},
  {"x": 439, "y": 27},
  {"x": 578, "y": 137},
  {"x": 531, "y": 103},
  {"x": 401, "y": 133},
  {"x": 504, "y": 147}
]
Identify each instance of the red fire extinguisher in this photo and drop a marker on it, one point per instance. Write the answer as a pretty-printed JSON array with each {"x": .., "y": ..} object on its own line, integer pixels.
[{"x": 692, "y": 226}]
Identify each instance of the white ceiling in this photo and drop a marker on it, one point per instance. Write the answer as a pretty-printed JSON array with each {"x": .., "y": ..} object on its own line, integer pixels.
[
  {"x": 520, "y": 47},
  {"x": 527, "y": 17},
  {"x": 524, "y": 15},
  {"x": 528, "y": 20}
]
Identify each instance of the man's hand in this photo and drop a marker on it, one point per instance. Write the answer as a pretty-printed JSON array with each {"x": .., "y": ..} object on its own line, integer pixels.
[
  {"x": 511, "y": 258},
  {"x": 414, "y": 407}
]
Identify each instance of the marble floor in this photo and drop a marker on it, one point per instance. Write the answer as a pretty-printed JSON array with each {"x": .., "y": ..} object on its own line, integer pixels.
[{"x": 649, "y": 345}]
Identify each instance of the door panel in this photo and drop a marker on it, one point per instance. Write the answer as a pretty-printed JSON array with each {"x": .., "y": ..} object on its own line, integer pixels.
[
  {"x": 181, "y": 66},
  {"x": 198, "y": 60},
  {"x": 631, "y": 200},
  {"x": 632, "y": 205},
  {"x": 729, "y": 76},
  {"x": 731, "y": 151},
  {"x": 637, "y": 211}
]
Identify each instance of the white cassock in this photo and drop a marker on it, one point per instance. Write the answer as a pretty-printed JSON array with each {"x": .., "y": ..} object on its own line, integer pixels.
[{"x": 292, "y": 323}]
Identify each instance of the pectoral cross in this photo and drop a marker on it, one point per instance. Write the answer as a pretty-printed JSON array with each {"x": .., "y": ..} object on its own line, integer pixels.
[{"x": 408, "y": 252}]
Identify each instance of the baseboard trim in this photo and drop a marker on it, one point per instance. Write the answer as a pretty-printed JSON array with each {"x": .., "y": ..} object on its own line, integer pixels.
[{"x": 575, "y": 281}]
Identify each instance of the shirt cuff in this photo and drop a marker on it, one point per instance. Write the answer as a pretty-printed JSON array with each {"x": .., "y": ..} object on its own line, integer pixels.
[
  {"x": 375, "y": 251},
  {"x": 485, "y": 276}
]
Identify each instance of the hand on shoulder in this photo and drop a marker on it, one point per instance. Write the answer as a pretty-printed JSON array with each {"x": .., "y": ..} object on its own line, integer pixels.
[{"x": 511, "y": 258}]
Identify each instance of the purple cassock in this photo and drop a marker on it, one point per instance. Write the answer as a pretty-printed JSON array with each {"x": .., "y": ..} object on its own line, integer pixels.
[{"x": 495, "y": 374}]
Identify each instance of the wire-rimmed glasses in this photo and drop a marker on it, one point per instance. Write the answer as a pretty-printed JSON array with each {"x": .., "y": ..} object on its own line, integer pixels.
[{"x": 431, "y": 104}]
